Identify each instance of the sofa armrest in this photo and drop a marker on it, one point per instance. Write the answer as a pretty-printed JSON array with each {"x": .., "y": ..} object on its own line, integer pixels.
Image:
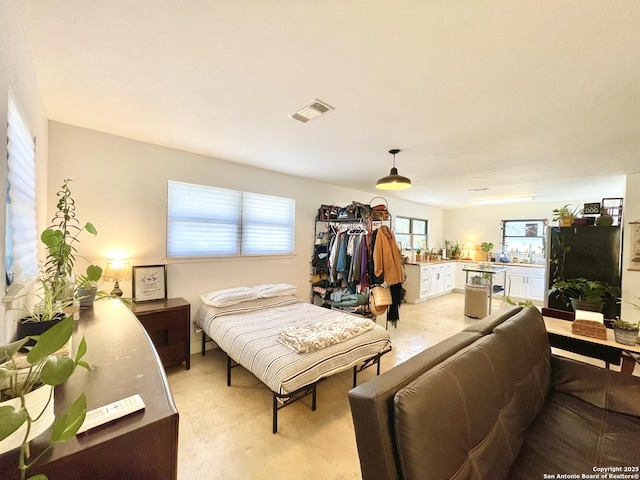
[{"x": 603, "y": 388}]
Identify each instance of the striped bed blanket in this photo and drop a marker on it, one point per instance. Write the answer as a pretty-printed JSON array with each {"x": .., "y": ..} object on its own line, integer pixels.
[{"x": 248, "y": 332}]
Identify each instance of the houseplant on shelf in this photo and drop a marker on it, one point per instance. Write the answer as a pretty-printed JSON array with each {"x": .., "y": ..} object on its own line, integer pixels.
[
  {"x": 86, "y": 286},
  {"x": 60, "y": 239},
  {"x": 604, "y": 220},
  {"x": 486, "y": 248},
  {"x": 565, "y": 215},
  {"x": 627, "y": 332},
  {"x": 583, "y": 294},
  {"x": 25, "y": 376}
]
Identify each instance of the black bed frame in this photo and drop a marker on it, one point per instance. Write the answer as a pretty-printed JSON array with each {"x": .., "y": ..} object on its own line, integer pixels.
[{"x": 282, "y": 400}]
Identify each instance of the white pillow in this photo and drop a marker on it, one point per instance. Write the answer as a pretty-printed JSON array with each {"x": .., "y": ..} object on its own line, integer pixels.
[
  {"x": 229, "y": 296},
  {"x": 275, "y": 289}
]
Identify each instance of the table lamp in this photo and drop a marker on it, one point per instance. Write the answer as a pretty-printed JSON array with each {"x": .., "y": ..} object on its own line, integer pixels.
[
  {"x": 468, "y": 246},
  {"x": 116, "y": 271}
]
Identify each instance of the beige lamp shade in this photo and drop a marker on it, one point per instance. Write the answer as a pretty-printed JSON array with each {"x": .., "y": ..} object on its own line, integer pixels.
[{"x": 116, "y": 271}]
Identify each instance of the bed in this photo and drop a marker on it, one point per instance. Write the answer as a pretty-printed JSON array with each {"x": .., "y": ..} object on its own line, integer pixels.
[{"x": 252, "y": 334}]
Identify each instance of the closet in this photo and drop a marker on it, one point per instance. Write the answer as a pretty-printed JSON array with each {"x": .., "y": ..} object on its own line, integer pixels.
[{"x": 342, "y": 263}]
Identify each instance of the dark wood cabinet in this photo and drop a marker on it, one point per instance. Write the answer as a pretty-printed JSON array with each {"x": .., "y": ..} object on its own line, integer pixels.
[
  {"x": 168, "y": 324},
  {"x": 141, "y": 446}
]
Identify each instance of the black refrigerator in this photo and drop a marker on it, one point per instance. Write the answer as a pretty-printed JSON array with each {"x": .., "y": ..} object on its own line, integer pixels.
[{"x": 592, "y": 252}]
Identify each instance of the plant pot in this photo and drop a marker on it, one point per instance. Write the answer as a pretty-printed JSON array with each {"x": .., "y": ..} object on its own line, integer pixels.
[
  {"x": 584, "y": 305},
  {"x": 625, "y": 336},
  {"x": 28, "y": 328},
  {"x": 604, "y": 221},
  {"x": 565, "y": 221},
  {"x": 87, "y": 296},
  {"x": 35, "y": 402}
]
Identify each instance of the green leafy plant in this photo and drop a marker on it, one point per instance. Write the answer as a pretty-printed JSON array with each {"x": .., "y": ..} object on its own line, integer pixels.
[
  {"x": 486, "y": 247},
  {"x": 624, "y": 325},
  {"x": 565, "y": 212},
  {"x": 584, "y": 289},
  {"x": 60, "y": 239},
  {"x": 523, "y": 304},
  {"x": 456, "y": 251},
  {"x": 20, "y": 375},
  {"x": 90, "y": 279}
]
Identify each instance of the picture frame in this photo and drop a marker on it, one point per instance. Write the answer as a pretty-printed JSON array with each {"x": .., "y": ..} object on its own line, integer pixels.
[
  {"x": 634, "y": 260},
  {"x": 149, "y": 283}
]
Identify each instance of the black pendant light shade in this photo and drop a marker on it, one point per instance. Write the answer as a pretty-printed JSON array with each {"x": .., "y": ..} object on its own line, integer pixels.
[{"x": 393, "y": 181}]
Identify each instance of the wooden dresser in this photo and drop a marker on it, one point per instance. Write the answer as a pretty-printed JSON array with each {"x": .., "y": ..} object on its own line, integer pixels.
[
  {"x": 141, "y": 446},
  {"x": 168, "y": 323}
]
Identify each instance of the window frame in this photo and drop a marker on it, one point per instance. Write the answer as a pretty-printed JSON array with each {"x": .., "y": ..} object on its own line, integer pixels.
[
  {"x": 241, "y": 224},
  {"x": 412, "y": 234}
]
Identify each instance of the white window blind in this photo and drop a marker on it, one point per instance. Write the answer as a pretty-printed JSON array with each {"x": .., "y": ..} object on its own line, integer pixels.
[
  {"x": 21, "y": 233},
  {"x": 211, "y": 221}
]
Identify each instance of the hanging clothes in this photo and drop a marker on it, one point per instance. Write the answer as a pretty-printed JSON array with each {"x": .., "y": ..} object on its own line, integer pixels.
[
  {"x": 386, "y": 257},
  {"x": 388, "y": 264}
]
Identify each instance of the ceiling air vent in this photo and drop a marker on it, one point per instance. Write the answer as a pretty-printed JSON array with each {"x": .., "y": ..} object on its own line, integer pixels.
[{"x": 313, "y": 109}]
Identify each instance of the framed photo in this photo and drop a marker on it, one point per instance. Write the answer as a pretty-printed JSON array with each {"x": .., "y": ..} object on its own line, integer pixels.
[
  {"x": 634, "y": 263},
  {"x": 149, "y": 283}
]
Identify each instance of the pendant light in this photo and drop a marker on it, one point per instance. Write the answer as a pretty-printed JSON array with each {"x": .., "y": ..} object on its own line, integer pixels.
[{"x": 393, "y": 181}]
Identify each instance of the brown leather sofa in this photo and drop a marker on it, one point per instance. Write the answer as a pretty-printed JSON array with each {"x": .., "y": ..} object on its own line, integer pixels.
[{"x": 493, "y": 403}]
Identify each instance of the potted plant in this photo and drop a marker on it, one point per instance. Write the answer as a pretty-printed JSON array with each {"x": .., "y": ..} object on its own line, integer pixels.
[
  {"x": 26, "y": 392},
  {"x": 60, "y": 240},
  {"x": 43, "y": 314},
  {"x": 418, "y": 255},
  {"x": 486, "y": 248},
  {"x": 604, "y": 220},
  {"x": 456, "y": 251},
  {"x": 565, "y": 215},
  {"x": 627, "y": 332},
  {"x": 583, "y": 294},
  {"x": 86, "y": 286}
]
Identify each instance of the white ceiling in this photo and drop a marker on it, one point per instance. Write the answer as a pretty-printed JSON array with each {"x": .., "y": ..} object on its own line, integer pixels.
[{"x": 529, "y": 97}]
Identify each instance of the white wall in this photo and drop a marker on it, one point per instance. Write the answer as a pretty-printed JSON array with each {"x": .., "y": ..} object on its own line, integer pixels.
[
  {"x": 120, "y": 185},
  {"x": 481, "y": 223},
  {"x": 17, "y": 74}
]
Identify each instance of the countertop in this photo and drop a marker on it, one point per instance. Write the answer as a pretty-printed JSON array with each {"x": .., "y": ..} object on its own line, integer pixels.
[{"x": 437, "y": 262}]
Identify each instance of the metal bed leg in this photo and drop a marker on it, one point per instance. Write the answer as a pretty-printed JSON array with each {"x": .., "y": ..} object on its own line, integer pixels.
[
  {"x": 313, "y": 397},
  {"x": 228, "y": 371},
  {"x": 204, "y": 341},
  {"x": 275, "y": 413},
  {"x": 355, "y": 376}
]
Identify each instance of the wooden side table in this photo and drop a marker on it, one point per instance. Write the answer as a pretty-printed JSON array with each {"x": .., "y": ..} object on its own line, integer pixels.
[{"x": 168, "y": 323}]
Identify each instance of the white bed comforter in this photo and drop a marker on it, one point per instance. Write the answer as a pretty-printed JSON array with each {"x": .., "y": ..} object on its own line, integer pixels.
[{"x": 248, "y": 332}]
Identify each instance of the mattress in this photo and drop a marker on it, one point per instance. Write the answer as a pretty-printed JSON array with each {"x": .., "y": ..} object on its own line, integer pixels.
[{"x": 248, "y": 333}]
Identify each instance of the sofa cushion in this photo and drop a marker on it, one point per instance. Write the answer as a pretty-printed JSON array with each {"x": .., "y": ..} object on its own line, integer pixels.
[
  {"x": 571, "y": 436},
  {"x": 464, "y": 418}
]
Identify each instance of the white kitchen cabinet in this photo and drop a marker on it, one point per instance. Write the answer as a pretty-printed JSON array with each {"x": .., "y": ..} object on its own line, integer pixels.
[
  {"x": 426, "y": 281},
  {"x": 461, "y": 275},
  {"x": 525, "y": 283}
]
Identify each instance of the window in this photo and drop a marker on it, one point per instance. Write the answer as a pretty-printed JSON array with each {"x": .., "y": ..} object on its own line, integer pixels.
[
  {"x": 523, "y": 241},
  {"x": 210, "y": 221},
  {"x": 21, "y": 237},
  {"x": 411, "y": 233}
]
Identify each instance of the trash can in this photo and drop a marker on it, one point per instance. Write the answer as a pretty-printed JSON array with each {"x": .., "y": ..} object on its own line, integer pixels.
[{"x": 476, "y": 301}]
